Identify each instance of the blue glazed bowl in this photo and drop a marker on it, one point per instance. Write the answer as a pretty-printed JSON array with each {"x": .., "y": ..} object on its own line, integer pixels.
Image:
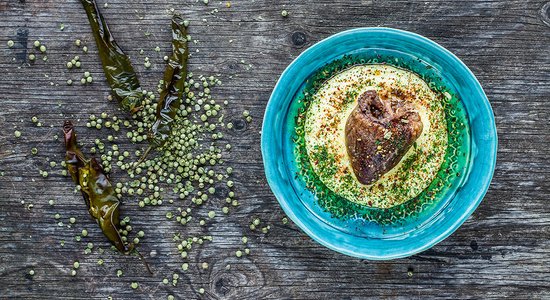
[{"x": 360, "y": 238}]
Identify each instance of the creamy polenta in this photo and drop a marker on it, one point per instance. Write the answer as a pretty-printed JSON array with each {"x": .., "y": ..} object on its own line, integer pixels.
[{"x": 325, "y": 139}]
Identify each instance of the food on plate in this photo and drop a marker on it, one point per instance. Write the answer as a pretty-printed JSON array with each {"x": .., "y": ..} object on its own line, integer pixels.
[
  {"x": 376, "y": 135},
  {"x": 379, "y": 132}
]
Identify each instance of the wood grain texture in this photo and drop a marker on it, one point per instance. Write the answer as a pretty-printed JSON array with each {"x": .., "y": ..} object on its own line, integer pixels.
[{"x": 503, "y": 250}]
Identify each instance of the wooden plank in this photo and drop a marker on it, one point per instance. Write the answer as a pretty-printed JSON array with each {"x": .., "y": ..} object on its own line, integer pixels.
[{"x": 503, "y": 250}]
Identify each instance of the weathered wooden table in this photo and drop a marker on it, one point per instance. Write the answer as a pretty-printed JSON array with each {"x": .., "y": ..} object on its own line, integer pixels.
[{"x": 502, "y": 250}]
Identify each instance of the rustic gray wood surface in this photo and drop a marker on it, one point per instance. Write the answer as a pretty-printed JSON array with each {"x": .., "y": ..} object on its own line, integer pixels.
[{"x": 503, "y": 250}]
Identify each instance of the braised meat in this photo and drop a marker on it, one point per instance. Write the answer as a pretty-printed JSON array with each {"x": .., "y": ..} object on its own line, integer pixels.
[{"x": 379, "y": 132}]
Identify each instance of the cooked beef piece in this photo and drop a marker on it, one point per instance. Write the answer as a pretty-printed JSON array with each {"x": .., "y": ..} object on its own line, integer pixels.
[{"x": 378, "y": 134}]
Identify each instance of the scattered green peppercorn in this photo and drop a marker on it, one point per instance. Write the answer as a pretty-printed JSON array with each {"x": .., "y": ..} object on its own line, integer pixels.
[
  {"x": 10, "y": 43},
  {"x": 185, "y": 266}
]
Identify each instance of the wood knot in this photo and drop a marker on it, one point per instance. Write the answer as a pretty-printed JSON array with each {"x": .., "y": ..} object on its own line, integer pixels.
[
  {"x": 474, "y": 245},
  {"x": 232, "y": 66},
  {"x": 299, "y": 38},
  {"x": 545, "y": 13},
  {"x": 21, "y": 45},
  {"x": 241, "y": 276},
  {"x": 239, "y": 124}
]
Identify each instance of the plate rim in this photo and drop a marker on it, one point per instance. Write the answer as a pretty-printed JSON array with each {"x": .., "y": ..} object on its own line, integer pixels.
[{"x": 274, "y": 186}]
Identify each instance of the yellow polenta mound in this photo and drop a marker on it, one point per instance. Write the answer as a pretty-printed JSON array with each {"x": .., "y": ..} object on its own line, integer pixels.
[{"x": 326, "y": 143}]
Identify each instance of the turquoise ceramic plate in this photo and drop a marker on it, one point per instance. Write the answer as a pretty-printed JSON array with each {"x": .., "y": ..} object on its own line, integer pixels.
[{"x": 356, "y": 236}]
